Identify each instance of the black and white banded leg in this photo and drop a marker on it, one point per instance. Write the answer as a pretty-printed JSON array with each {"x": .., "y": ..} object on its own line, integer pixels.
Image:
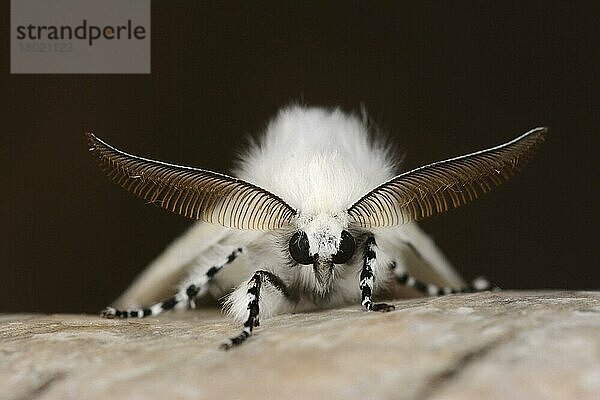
[
  {"x": 429, "y": 289},
  {"x": 403, "y": 277},
  {"x": 367, "y": 279},
  {"x": 253, "y": 296},
  {"x": 185, "y": 297}
]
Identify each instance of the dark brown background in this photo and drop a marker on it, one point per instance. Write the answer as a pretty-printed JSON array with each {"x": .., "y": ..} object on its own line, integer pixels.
[{"x": 442, "y": 80}]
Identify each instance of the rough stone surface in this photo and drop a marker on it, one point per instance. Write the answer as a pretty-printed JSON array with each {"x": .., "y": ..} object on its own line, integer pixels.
[{"x": 505, "y": 345}]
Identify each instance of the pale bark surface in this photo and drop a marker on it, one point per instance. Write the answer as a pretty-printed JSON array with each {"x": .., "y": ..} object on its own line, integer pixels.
[{"x": 505, "y": 345}]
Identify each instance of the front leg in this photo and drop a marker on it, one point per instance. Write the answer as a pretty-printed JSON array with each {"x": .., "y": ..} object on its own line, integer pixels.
[
  {"x": 367, "y": 279},
  {"x": 251, "y": 302}
]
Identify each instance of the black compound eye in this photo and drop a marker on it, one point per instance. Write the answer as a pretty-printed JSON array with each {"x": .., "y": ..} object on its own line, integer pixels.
[
  {"x": 299, "y": 249},
  {"x": 347, "y": 247}
]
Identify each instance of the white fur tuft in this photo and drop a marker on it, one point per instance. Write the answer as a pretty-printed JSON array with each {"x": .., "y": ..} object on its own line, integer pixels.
[{"x": 316, "y": 160}]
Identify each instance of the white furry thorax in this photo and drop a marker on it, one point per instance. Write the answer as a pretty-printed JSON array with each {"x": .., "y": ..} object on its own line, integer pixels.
[{"x": 318, "y": 161}]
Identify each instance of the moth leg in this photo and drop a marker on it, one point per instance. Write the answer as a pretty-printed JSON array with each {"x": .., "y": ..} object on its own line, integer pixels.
[
  {"x": 185, "y": 296},
  {"x": 367, "y": 279},
  {"x": 251, "y": 300},
  {"x": 404, "y": 278}
]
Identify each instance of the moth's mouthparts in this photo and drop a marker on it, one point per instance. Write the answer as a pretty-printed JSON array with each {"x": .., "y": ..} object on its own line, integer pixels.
[{"x": 323, "y": 269}]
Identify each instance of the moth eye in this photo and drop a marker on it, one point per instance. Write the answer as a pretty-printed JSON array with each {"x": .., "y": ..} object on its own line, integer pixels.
[
  {"x": 299, "y": 249},
  {"x": 347, "y": 247}
]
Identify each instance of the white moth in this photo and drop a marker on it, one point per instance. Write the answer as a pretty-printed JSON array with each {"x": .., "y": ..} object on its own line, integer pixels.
[{"x": 315, "y": 217}]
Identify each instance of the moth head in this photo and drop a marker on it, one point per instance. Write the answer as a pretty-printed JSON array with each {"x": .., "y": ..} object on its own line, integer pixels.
[{"x": 322, "y": 241}]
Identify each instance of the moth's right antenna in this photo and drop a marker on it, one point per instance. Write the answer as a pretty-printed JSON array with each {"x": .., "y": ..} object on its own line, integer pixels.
[{"x": 437, "y": 187}]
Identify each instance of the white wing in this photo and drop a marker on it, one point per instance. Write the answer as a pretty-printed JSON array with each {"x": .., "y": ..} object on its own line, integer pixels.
[
  {"x": 161, "y": 277},
  {"x": 418, "y": 253}
]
